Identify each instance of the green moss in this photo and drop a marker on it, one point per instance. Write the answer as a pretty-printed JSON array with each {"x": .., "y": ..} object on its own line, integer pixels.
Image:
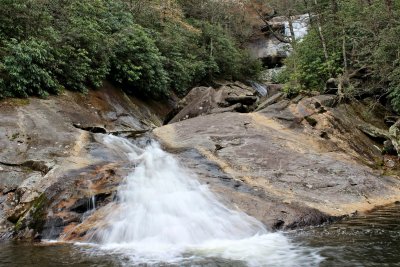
[
  {"x": 20, "y": 224},
  {"x": 34, "y": 218},
  {"x": 37, "y": 213},
  {"x": 378, "y": 164},
  {"x": 313, "y": 122},
  {"x": 18, "y": 102},
  {"x": 14, "y": 136}
]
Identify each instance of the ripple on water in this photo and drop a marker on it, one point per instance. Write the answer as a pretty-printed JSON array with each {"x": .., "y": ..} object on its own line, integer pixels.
[{"x": 368, "y": 240}]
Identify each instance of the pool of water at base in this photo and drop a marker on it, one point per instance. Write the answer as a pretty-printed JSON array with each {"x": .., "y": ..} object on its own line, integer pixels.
[{"x": 367, "y": 240}]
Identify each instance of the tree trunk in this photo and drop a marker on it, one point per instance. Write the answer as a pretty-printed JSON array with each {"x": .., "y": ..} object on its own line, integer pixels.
[
  {"x": 320, "y": 33},
  {"x": 292, "y": 33},
  {"x": 389, "y": 6},
  {"x": 344, "y": 52},
  {"x": 278, "y": 36}
]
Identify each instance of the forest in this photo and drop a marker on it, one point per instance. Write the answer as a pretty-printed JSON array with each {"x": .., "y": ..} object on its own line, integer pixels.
[
  {"x": 147, "y": 47},
  {"x": 352, "y": 44},
  {"x": 156, "y": 47}
]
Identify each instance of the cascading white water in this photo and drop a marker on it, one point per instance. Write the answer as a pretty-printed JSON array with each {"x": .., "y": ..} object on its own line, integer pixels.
[
  {"x": 260, "y": 88},
  {"x": 300, "y": 26},
  {"x": 166, "y": 215}
]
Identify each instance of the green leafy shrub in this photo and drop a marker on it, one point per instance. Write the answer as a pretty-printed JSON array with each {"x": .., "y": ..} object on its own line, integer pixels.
[
  {"x": 179, "y": 47},
  {"x": 307, "y": 68},
  {"x": 28, "y": 69},
  {"x": 137, "y": 63},
  {"x": 147, "y": 47},
  {"x": 222, "y": 55},
  {"x": 355, "y": 42}
]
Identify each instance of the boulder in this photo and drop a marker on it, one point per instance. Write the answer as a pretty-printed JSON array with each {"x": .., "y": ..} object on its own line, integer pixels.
[
  {"x": 237, "y": 107},
  {"x": 206, "y": 100},
  {"x": 374, "y": 132},
  {"x": 394, "y": 134},
  {"x": 271, "y": 100},
  {"x": 331, "y": 86}
]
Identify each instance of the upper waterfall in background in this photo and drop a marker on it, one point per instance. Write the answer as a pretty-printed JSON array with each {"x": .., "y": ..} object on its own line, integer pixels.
[
  {"x": 300, "y": 26},
  {"x": 266, "y": 46}
]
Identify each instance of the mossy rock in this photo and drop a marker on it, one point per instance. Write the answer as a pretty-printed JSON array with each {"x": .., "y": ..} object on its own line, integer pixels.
[
  {"x": 34, "y": 218},
  {"x": 17, "y": 102},
  {"x": 313, "y": 122}
]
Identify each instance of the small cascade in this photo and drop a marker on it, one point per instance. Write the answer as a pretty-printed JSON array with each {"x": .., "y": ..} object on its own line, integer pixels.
[
  {"x": 260, "y": 88},
  {"x": 92, "y": 199},
  {"x": 165, "y": 215},
  {"x": 300, "y": 26}
]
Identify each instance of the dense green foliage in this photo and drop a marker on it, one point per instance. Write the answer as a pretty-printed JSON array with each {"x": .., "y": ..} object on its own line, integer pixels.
[
  {"x": 147, "y": 47},
  {"x": 362, "y": 50}
]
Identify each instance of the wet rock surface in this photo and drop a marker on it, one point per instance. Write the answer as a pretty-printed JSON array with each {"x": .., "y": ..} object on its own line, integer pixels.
[
  {"x": 293, "y": 163},
  {"x": 51, "y": 160}
]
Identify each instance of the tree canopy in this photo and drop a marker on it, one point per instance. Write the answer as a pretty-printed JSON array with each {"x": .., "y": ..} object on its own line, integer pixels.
[
  {"x": 351, "y": 41},
  {"x": 146, "y": 46}
]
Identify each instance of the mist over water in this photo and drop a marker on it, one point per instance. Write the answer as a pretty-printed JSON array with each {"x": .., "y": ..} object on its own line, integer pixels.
[{"x": 166, "y": 216}]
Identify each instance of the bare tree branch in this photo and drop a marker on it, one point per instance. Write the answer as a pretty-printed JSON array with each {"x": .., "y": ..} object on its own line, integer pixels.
[{"x": 277, "y": 35}]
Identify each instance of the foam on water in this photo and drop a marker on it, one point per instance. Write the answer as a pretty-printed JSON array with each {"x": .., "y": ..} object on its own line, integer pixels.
[{"x": 166, "y": 215}]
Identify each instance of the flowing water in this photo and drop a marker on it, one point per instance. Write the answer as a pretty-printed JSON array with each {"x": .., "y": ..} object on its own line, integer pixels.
[
  {"x": 372, "y": 240},
  {"x": 165, "y": 215},
  {"x": 167, "y": 218},
  {"x": 300, "y": 27},
  {"x": 260, "y": 88}
]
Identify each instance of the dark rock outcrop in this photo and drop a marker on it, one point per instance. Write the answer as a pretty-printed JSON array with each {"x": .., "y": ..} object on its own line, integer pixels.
[
  {"x": 269, "y": 101},
  {"x": 207, "y": 100}
]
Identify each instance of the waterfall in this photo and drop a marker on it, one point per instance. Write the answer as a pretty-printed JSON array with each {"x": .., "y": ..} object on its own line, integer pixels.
[
  {"x": 165, "y": 215},
  {"x": 260, "y": 88},
  {"x": 300, "y": 26},
  {"x": 92, "y": 200}
]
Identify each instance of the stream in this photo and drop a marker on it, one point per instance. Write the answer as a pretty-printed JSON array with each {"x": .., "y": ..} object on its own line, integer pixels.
[
  {"x": 369, "y": 240},
  {"x": 163, "y": 216}
]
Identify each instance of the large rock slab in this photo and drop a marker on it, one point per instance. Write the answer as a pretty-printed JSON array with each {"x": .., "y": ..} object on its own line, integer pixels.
[{"x": 285, "y": 175}]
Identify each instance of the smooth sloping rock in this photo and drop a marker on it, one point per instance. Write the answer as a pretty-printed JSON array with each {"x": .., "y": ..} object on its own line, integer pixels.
[{"x": 277, "y": 173}]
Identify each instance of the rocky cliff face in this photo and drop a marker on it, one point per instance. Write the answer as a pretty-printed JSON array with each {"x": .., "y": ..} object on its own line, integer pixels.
[
  {"x": 267, "y": 47},
  {"x": 288, "y": 163}
]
